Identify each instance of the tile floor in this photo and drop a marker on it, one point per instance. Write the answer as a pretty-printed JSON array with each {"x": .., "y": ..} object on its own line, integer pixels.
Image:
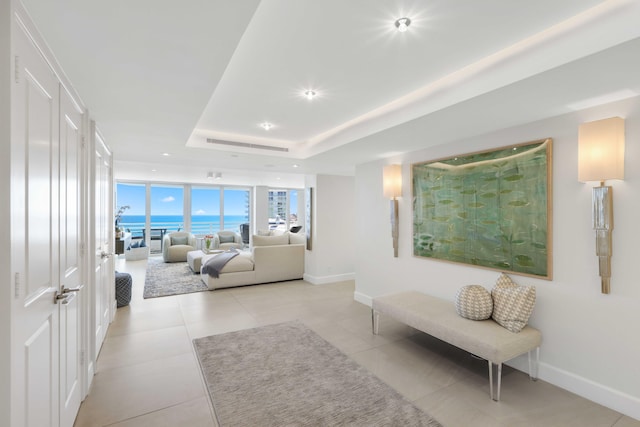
[{"x": 147, "y": 374}]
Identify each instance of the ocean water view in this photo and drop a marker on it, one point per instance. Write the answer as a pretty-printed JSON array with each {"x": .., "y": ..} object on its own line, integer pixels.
[{"x": 200, "y": 224}]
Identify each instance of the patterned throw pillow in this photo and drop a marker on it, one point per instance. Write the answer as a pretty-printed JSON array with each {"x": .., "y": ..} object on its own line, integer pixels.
[
  {"x": 474, "y": 302},
  {"x": 512, "y": 304},
  {"x": 505, "y": 281}
]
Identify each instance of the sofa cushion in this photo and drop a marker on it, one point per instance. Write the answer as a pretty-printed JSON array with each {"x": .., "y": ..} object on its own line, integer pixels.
[
  {"x": 179, "y": 240},
  {"x": 242, "y": 262},
  {"x": 474, "y": 302},
  {"x": 512, "y": 304},
  {"x": 270, "y": 240}
]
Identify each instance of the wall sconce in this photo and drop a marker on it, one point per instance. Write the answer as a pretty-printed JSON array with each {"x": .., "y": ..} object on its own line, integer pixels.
[
  {"x": 601, "y": 157},
  {"x": 392, "y": 188}
]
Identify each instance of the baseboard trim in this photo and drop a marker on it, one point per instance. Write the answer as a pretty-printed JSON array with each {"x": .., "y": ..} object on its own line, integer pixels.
[
  {"x": 584, "y": 387},
  {"x": 323, "y": 280},
  {"x": 362, "y": 298}
]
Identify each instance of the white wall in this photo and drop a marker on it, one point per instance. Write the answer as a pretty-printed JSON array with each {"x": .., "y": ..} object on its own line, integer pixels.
[
  {"x": 6, "y": 294},
  {"x": 332, "y": 257},
  {"x": 260, "y": 208},
  {"x": 591, "y": 342}
]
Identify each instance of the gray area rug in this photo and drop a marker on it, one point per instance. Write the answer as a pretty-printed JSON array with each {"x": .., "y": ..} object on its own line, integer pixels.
[
  {"x": 287, "y": 375},
  {"x": 164, "y": 279}
]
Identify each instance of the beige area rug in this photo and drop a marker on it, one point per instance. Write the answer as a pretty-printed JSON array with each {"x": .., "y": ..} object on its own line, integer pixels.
[{"x": 287, "y": 375}]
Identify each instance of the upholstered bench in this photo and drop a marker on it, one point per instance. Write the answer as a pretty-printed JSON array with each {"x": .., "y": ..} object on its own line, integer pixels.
[{"x": 484, "y": 338}]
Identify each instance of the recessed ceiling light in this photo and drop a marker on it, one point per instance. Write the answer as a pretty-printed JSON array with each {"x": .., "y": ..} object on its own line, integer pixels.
[
  {"x": 153, "y": 170},
  {"x": 310, "y": 94},
  {"x": 166, "y": 154},
  {"x": 295, "y": 166},
  {"x": 402, "y": 24},
  {"x": 266, "y": 125}
]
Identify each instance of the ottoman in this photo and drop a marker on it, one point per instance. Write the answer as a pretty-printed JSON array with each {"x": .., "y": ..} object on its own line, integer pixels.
[
  {"x": 194, "y": 259},
  {"x": 123, "y": 289}
]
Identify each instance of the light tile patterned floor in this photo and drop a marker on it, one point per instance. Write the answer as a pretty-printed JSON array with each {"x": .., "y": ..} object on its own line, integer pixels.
[{"x": 147, "y": 374}]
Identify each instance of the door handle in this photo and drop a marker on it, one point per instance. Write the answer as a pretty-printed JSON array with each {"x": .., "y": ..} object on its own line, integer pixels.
[
  {"x": 65, "y": 299},
  {"x": 104, "y": 255},
  {"x": 67, "y": 295},
  {"x": 68, "y": 290}
]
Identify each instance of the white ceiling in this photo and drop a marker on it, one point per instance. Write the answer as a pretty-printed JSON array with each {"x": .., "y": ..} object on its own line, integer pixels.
[{"x": 161, "y": 76}]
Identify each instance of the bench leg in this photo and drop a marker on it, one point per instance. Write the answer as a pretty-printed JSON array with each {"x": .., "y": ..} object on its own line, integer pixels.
[
  {"x": 375, "y": 321},
  {"x": 533, "y": 366},
  {"x": 495, "y": 397}
]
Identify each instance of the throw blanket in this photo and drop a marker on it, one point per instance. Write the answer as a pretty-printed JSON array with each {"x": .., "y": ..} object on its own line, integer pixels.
[{"x": 215, "y": 264}]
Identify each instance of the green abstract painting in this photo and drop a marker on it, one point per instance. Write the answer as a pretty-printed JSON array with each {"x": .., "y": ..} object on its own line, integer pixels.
[{"x": 489, "y": 209}]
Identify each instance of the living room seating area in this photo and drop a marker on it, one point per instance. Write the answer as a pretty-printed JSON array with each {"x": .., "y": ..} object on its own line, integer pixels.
[{"x": 271, "y": 259}]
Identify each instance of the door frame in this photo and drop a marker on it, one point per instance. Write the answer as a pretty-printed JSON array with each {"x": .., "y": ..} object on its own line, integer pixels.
[{"x": 6, "y": 295}]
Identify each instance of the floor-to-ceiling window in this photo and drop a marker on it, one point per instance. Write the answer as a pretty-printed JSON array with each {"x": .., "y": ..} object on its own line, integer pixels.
[
  {"x": 294, "y": 219},
  {"x": 167, "y": 207},
  {"x": 236, "y": 208},
  {"x": 200, "y": 209},
  {"x": 131, "y": 200},
  {"x": 283, "y": 209},
  {"x": 277, "y": 209},
  {"x": 205, "y": 210}
]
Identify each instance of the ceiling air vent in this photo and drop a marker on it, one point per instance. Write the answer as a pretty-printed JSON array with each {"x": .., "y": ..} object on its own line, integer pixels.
[{"x": 246, "y": 145}]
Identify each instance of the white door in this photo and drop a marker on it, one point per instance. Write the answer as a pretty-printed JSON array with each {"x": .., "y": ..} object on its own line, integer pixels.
[
  {"x": 103, "y": 281},
  {"x": 46, "y": 222},
  {"x": 34, "y": 239},
  {"x": 71, "y": 258}
]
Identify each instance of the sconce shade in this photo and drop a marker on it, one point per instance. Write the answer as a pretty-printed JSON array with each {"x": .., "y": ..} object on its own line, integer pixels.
[
  {"x": 392, "y": 181},
  {"x": 601, "y": 150}
]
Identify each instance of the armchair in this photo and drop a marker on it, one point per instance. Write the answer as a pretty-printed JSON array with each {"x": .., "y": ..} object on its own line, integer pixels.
[
  {"x": 227, "y": 240},
  {"x": 176, "y": 245}
]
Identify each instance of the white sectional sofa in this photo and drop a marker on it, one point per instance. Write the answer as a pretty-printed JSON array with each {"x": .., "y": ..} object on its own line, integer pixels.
[{"x": 271, "y": 259}]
